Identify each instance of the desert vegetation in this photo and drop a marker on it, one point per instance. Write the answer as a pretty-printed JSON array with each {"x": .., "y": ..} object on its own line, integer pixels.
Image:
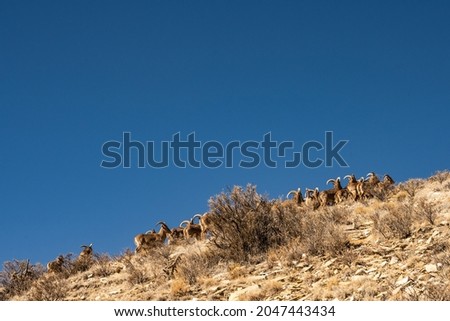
[{"x": 383, "y": 242}]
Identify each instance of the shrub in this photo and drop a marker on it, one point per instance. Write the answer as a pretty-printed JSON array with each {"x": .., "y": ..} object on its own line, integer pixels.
[
  {"x": 393, "y": 221},
  {"x": 322, "y": 234},
  {"x": 49, "y": 287},
  {"x": 411, "y": 187},
  {"x": 103, "y": 266},
  {"x": 426, "y": 210},
  {"x": 192, "y": 267},
  {"x": 18, "y": 276},
  {"x": 440, "y": 176},
  {"x": 246, "y": 224}
]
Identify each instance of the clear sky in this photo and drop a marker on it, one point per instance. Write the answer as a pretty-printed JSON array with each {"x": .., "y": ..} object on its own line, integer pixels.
[{"x": 76, "y": 74}]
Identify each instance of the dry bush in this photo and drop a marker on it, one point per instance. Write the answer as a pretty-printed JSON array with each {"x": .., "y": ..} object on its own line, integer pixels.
[
  {"x": 235, "y": 271},
  {"x": 137, "y": 273},
  {"x": 145, "y": 268},
  {"x": 349, "y": 257},
  {"x": 179, "y": 287},
  {"x": 400, "y": 196},
  {"x": 136, "y": 270},
  {"x": 271, "y": 288},
  {"x": 411, "y": 187},
  {"x": 246, "y": 224},
  {"x": 426, "y": 210},
  {"x": 288, "y": 254},
  {"x": 322, "y": 234},
  {"x": 49, "y": 287},
  {"x": 102, "y": 267},
  {"x": 437, "y": 292},
  {"x": 18, "y": 276},
  {"x": 192, "y": 267},
  {"x": 440, "y": 176},
  {"x": 393, "y": 221}
]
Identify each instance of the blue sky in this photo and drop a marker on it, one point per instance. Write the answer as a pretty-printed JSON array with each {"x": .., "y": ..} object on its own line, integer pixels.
[{"x": 77, "y": 74}]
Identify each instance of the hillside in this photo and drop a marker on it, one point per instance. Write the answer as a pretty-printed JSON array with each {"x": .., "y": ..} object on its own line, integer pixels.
[{"x": 394, "y": 246}]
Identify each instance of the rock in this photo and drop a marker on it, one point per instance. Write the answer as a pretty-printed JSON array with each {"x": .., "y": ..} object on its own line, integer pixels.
[
  {"x": 393, "y": 260},
  {"x": 369, "y": 271},
  {"x": 402, "y": 281},
  {"x": 430, "y": 268},
  {"x": 360, "y": 271},
  {"x": 307, "y": 268},
  {"x": 114, "y": 292},
  {"x": 357, "y": 278},
  {"x": 329, "y": 262},
  {"x": 396, "y": 290},
  {"x": 236, "y": 295}
]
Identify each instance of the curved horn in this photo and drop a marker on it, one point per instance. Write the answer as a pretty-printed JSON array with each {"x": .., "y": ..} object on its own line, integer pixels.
[
  {"x": 338, "y": 178},
  {"x": 293, "y": 191},
  {"x": 160, "y": 222},
  {"x": 371, "y": 174},
  {"x": 85, "y": 246},
  {"x": 184, "y": 222},
  {"x": 197, "y": 215},
  {"x": 348, "y": 176},
  {"x": 331, "y": 180}
]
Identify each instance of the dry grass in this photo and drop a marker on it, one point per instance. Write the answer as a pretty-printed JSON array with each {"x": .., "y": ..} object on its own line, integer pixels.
[
  {"x": 440, "y": 176},
  {"x": 48, "y": 288},
  {"x": 244, "y": 225},
  {"x": 411, "y": 187},
  {"x": 17, "y": 277},
  {"x": 427, "y": 210},
  {"x": 394, "y": 221},
  {"x": 179, "y": 287}
]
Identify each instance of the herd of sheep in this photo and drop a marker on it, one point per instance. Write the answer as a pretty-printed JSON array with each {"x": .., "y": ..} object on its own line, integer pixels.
[{"x": 356, "y": 189}]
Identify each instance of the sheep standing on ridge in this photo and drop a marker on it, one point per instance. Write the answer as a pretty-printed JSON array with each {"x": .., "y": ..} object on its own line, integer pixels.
[
  {"x": 151, "y": 239},
  {"x": 56, "y": 265}
]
